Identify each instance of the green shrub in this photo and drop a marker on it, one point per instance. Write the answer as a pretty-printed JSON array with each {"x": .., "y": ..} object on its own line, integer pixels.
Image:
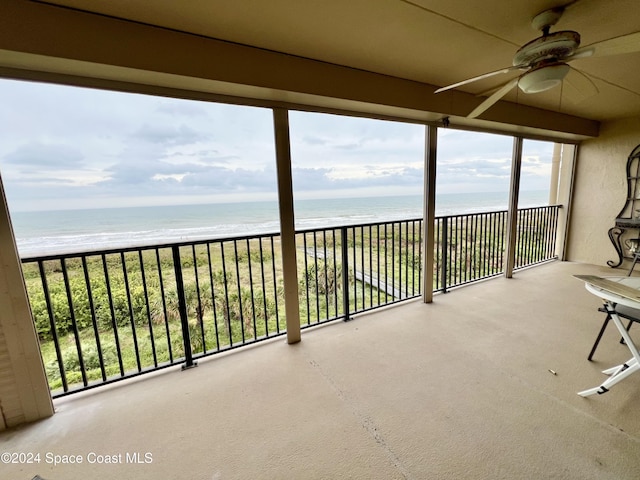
[{"x": 90, "y": 356}]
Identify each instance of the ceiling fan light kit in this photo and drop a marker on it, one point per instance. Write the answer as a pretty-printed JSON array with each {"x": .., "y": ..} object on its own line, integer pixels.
[
  {"x": 543, "y": 78},
  {"x": 545, "y": 59}
]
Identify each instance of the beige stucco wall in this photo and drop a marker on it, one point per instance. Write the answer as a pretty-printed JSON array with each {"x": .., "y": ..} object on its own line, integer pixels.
[{"x": 600, "y": 191}]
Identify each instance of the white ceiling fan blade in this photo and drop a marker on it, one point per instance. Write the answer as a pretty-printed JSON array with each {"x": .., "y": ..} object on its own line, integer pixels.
[
  {"x": 493, "y": 98},
  {"x": 480, "y": 77},
  {"x": 578, "y": 86},
  {"x": 614, "y": 46}
]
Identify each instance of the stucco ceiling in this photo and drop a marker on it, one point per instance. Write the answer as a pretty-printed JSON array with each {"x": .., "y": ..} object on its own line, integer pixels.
[{"x": 432, "y": 41}]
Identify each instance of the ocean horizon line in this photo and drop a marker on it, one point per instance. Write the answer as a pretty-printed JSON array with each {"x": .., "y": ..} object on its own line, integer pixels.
[{"x": 270, "y": 200}]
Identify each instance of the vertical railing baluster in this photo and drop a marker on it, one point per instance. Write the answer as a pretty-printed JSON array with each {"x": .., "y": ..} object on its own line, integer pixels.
[
  {"x": 182, "y": 308},
  {"x": 131, "y": 313},
  {"x": 371, "y": 276},
  {"x": 406, "y": 259},
  {"x": 316, "y": 282},
  {"x": 556, "y": 214},
  {"x": 437, "y": 246},
  {"x": 264, "y": 287},
  {"x": 200, "y": 310},
  {"x": 464, "y": 248},
  {"x": 275, "y": 283},
  {"x": 227, "y": 307},
  {"x": 214, "y": 306},
  {"x": 344, "y": 245},
  {"x": 355, "y": 270},
  {"x": 453, "y": 248},
  {"x": 420, "y": 249},
  {"x": 490, "y": 244},
  {"x": 445, "y": 248},
  {"x": 364, "y": 283},
  {"x": 472, "y": 219},
  {"x": 525, "y": 233},
  {"x": 114, "y": 321},
  {"x": 52, "y": 323},
  {"x": 378, "y": 272},
  {"x": 413, "y": 257},
  {"x": 549, "y": 227},
  {"x": 253, "y": 303},
  {"x": 335, "y": 273},
  {"x": 164, "y": 306},
  {"x": 94, "y": 320},
  {"x": 306, "y": 277},
  {"x": 326, "y": 273},
  {"x": 386, "y": 261},
  {"x": 393, "y": 262},
  {"x": 535, "y": 245},
  {"x": 148, "y": 307},
  {"x": 543, "y": 250},
  {"x": 74, "y": 323},
  {"x": 239, "y": 285},
  {"x": 486, "y": 245}
]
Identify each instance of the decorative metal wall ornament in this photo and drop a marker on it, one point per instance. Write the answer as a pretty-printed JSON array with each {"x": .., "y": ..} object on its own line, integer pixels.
[{"x": 629, "y": 216}]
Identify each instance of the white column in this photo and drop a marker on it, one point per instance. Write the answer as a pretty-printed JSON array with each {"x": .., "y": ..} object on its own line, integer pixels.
[
  {"x": 512, "y": 214},
  {"x": 565, "y": 198},
  {"x": 555, "y": 173},
  {"x": 429, "y": 209},
  {"x": 287, "y": 224}
]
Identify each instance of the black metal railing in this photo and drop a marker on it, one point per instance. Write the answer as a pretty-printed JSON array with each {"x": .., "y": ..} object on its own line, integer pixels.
[
  {"x": 469, "y": 247},
  {"x": 536, "y": 235},
  {"x": 357, "y": 268},
  {"x": 107, "y": 315}
]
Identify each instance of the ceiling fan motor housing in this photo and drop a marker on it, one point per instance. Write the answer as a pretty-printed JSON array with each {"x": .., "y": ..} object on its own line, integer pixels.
[{"x": 555, "y": 46}]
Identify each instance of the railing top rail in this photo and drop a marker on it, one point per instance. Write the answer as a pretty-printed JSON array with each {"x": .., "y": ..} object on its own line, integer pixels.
[
  {"x": 357, "y": 225},
  {"x": 148, "y": 246},
  {"x": 540, "y": 208}
]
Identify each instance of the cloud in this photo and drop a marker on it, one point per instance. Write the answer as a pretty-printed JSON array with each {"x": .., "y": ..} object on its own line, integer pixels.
[
  {"x": 37, "y": 154},
  {"x": 187, "y": 109},
  {"x": 38, "y": 181},
  {"x": 313, "y": 140},
  {"x": 168, "y": 134},
  {"x": 309, "y": 179}
]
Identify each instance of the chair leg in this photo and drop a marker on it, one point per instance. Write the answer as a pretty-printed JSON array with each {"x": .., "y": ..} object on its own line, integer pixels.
[
  {"x": 633, "y": 265},
  {"x": 628, "y": 328},
  {"x": 595, "y": 345}
]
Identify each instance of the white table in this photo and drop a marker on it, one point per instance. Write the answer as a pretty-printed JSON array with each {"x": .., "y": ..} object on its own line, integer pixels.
[{"x": 611, "y": 299}]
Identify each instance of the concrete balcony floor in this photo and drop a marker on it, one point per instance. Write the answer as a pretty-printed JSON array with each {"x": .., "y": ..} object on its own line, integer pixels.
[{"x": 459, "y": 389}]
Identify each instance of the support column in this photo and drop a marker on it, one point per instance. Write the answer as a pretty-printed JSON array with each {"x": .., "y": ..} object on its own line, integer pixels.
[
  {"x": 429, "y": 209},
  {"x": 565, "y": 198},
  {"x": 287, "y": 224},
  {"x": 512, "y": 214},
  {"x": 555, "y": 173},
  {"x": 24, "y": 391}
]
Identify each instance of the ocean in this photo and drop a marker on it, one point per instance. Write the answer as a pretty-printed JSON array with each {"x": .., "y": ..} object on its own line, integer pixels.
[{"x": 67, "y": 231}]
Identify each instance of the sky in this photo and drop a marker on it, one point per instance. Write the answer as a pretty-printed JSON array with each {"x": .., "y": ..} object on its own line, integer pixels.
[{"x": 66, "y": 148}]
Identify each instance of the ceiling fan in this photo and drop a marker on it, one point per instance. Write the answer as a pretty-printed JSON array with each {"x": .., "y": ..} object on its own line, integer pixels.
[{"x": 545, "y": 59}]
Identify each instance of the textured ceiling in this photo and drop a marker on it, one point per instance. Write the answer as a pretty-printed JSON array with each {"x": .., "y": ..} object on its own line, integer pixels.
[{"x": 433, "y": 41}]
